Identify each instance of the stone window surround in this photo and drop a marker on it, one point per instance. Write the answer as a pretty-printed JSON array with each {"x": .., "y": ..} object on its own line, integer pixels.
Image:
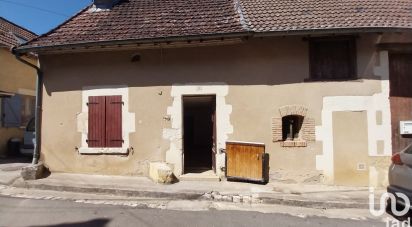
[
  {"x": 223, "y": 126},
  {"x": 128, "y": 119}
]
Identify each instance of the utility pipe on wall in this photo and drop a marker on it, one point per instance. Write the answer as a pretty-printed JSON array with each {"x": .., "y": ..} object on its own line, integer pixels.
[{"x": 38, "y": 113}]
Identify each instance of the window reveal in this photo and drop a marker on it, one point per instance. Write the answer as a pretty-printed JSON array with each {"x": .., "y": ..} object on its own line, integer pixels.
[{"x": 291, "y": 126}]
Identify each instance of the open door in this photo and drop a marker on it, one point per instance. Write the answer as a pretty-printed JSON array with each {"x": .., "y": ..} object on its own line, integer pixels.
[{"x": 199, "y": 133}]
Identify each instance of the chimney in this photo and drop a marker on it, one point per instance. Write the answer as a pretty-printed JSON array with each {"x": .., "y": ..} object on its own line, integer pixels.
[{"x": 105, "y": 4}]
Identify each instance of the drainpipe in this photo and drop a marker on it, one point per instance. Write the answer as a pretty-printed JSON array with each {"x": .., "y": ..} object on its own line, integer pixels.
[{"x": 39, "y": 86}]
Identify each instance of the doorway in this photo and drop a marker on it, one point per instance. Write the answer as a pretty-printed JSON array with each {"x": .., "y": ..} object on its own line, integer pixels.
[{"x": 199, "y": 130}]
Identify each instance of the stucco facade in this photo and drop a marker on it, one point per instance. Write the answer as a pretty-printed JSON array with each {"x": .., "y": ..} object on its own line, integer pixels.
[
  {"x": 252, "y": 81},
  {"x": 16, "y": 78}
]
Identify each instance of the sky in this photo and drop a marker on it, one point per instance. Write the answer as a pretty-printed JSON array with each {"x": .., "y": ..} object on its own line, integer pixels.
[{"x": 40, "y": 16}]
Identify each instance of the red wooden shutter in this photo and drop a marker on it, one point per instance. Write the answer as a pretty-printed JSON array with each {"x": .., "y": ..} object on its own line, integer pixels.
[
  {"x": 97, "y": 124},
  {"x": 114, "y": 121}
]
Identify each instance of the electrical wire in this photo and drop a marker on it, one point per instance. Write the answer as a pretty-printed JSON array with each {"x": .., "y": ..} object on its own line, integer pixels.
[{"x": 34, "y": 7}]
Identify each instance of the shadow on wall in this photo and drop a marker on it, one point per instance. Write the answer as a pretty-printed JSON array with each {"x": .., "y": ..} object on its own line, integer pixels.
[
  {"x": 274, "y": 61},
  {"x": 100, "y": 222}
]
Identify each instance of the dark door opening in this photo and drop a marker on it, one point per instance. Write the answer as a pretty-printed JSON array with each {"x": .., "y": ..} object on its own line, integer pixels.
[{"x": 198, "y": 133}]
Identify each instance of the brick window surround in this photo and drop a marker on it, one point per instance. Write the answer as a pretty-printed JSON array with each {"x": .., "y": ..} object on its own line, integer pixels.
[{"x": 307, "y": 130}]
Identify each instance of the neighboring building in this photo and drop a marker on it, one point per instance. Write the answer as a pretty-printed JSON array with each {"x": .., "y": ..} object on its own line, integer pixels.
[
  {"x": 323, "y": 84},
  {"x": 17, "y": 84}
]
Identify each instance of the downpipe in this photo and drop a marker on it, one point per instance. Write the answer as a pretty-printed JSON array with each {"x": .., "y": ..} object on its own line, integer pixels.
[{"x": 38, "y": 113}]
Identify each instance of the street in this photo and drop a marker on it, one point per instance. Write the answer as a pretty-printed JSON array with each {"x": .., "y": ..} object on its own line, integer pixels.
[{"x": 31, "y": 212}]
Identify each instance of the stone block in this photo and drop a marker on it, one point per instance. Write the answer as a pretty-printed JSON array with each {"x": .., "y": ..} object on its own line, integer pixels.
[
  {"x": 208, "y": 196},
  {"x": 300, "y": 143},
  {"x": 255, "y": 199},
  {"x": 33, "y": 172},
  {"x": 246, "y": 199},
  {"x": 218, "y": 197},
  {"x": 237, "y": 199},
  {"x": 227, "y": 198},
  {"x": 161, "y": 172}
]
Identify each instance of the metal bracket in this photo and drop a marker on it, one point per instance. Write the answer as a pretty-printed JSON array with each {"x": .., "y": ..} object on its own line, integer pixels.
[
  {"x": 117, "y": 103},
  {"x": 91, "y": 103}
]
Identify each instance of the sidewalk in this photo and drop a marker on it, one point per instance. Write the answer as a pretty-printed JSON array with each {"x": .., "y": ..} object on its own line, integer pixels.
[
  {"x": 10, "y": 169},
  {"x": 302, "y": 195}
]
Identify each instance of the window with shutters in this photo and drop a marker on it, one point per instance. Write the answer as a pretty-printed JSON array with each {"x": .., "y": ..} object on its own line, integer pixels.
[
  {"x": 17, "y": 111},
  {"x": 105, "y": 122},
  {"x": 11, "y": 110},
  {"x": 332, "y": 58}
]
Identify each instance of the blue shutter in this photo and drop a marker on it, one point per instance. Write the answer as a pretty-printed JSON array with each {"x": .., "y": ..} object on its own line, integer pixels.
[{"x": 12, "y": 111}]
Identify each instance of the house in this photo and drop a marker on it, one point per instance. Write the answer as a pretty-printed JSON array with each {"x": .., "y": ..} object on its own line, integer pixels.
[
  {"x": 17, "y": 86},
  {"x": 323, "y": 85}
]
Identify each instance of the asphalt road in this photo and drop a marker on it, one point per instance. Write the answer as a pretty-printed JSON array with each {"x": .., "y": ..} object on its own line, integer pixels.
[{"x": 29, "y": 212}]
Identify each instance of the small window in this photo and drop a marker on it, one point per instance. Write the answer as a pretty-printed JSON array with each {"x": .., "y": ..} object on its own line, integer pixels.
[
  {"x": 291, "y": 126},
  {"x": 333, "y": 58}
]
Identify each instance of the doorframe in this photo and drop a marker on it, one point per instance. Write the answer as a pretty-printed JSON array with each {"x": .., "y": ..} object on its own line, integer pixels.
[
  {"x": 173, "y": 134},
  {"x": 214, "y": 145}
]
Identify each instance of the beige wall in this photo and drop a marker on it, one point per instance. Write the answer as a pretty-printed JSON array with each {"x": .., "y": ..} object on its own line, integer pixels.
[
  {"x": 15, "y": 77},
  {"x": 263, "y": 75}
]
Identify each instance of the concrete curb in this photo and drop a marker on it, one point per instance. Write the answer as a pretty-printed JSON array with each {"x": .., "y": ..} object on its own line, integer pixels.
[
  {"x": 198, "y": 195},
  {"x": 314, "y": 204},
  {"x": 113, "y": 191}
]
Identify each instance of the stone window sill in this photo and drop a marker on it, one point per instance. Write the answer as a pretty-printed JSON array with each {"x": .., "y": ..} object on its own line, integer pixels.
[
  {"x": 294, "y": 143},
  {"x": 105, "y": 150}
]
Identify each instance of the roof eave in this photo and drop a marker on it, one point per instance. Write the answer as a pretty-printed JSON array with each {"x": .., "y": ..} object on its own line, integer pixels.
[
  {"x": 332, "y": 31},
  {"x": 205, "y": 37},
  {"x": 249, "y": 34}
]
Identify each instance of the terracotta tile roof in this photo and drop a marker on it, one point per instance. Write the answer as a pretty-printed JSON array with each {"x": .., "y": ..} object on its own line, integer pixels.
[
  {"x": 12, "y": 34},
  {"x": 295, "y": 15},
  {"x": 150, "y": 19},
  {"x": 145, "y": 19}
]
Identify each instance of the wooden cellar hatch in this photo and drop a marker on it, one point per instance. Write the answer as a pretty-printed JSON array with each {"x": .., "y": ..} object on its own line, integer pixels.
[{"x": 246, "y": 161}]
